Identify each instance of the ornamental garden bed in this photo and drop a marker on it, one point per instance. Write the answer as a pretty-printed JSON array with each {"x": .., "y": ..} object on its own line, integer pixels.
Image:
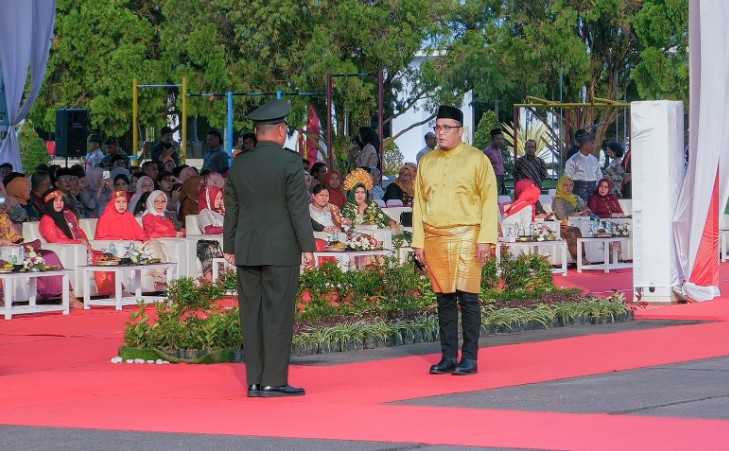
[{"x": 386, "y": 305}]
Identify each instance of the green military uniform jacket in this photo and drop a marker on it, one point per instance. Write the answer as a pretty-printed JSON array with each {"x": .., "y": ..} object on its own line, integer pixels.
[{"x": 267, "y": 208}]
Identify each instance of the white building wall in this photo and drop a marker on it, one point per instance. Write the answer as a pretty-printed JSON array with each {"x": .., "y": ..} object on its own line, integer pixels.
[{"x": 413, "y": 140}]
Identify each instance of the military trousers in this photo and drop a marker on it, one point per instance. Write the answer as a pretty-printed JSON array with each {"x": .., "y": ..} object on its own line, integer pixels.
[{"x": 267, "y": 296}]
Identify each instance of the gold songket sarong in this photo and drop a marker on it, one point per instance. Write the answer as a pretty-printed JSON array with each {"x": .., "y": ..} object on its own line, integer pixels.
[{"x": 451, "y": 257}]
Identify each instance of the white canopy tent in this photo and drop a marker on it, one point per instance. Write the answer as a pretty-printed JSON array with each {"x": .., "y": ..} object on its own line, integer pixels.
[{"x": 26, "y": 29}]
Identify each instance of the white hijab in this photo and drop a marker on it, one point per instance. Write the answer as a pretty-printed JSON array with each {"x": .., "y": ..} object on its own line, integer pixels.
[
  {"x": 150, "y": 203},
  {"x": 138, "y": 192}
]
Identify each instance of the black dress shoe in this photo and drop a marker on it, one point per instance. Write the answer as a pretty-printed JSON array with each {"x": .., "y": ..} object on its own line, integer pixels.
[
  {"x": 445, "y": 366},
  {"x": 270, "y": 391},
  {"x": 466, "y": 367},
  {"x": 254, "y": 390}
]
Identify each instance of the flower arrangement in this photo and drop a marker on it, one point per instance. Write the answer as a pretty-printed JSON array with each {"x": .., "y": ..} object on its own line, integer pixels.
[
  {"x": 543, "y": 233},
  {"x": 141, "y": 256},
  {"x": 362, "y": 242},
  {"x": 621, "y": 229},
  {"x": 33, "y": 261}
]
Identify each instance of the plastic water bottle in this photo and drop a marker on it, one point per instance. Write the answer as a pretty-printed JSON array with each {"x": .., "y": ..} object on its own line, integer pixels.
[{"x": 112, "y": 249}]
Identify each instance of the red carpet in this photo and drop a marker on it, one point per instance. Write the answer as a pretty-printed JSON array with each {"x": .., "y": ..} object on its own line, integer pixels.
[{"x": 55, "y": 372}]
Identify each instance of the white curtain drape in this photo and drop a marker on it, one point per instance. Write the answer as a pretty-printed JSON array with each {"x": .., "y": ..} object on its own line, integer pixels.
[
  {"x": 26, "y": 29},
  {"x": 708, "y": 134}
]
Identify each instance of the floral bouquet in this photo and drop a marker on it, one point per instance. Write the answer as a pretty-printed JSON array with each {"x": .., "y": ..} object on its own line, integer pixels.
[
  {"x": 33, "y": 261},
  {"x": 621, "y": 229},
  {"x": 141, "y": 256},
  {"x": 543, "y": 233},
  {"x": 363, "y": 242}
]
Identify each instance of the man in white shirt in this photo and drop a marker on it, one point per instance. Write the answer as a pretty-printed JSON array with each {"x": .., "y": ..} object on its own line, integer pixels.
[
  {"x": 583, "y": 167},
  {"x": 95, "y": 154},
  {"x": 430, "y": 143}
]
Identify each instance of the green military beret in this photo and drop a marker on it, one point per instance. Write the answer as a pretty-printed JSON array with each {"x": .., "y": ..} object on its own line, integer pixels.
[
  {"x": 111, "y": 140},
  {"x": 273, "y": 112}
]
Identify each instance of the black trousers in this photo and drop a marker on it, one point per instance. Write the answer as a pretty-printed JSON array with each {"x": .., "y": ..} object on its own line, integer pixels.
[
  {"x": 501, "y": 186},
  {"x": 448, "y": 322},
  {"x": 267, "y": 296}
]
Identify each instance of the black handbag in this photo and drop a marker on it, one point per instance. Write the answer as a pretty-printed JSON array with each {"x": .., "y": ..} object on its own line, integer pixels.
[{"x": 406, "y": 218}]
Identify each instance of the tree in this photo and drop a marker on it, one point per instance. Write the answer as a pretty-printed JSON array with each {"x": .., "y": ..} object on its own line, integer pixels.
[
  {"x": 504, "y": 50},
  {"x": 237, "y": 45},
  {"x": 662, "y": 28},
  {"x": 98, "y": 49}
]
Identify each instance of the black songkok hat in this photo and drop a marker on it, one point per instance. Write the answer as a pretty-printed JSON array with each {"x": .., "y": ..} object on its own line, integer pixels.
[
  {"x": 582, "y": 136},
  {"x": 449, "y": 112},
  {"x": 95, "y": 138},
  {"x": 496, "y": 131}
]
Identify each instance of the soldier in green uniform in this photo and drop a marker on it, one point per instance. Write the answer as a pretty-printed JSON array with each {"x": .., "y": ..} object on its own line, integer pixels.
[{"x": 267, "y": 228}]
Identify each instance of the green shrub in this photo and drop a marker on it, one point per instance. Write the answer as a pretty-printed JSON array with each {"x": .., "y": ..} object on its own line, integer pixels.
[{"x": 33, "y": 150}]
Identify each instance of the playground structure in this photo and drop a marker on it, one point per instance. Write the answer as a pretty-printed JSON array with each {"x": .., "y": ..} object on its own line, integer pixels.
[
  {"x": 135, "y": 113},
  {"x": 228, "y": 95},
  {"x": 536, "y": 102}
]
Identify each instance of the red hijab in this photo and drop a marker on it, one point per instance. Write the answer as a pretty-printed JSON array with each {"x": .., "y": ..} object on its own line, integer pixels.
[
  {"x": 606, "y": 205},
  {"x": 113, "y": 225},
  {"x": 336, "y": 195},
  {"x": 206, "y": 199},
  {"x": 527, "y": 194}
]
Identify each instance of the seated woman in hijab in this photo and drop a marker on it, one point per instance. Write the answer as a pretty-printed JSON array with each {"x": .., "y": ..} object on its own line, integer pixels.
[
  {"x": 210, "y": 217},
  {"x": 47, "y": 287},
  {"x": 603, "y": 202},
  {"x": 564, "y": 205},
  {"x": 403, "y": 188},
  {"x": 189, "y": 194},
  {"x": 17, "y": 204},
  {"x": 360, "y": 209},
  {"x": 118, "y": 223},
  {"x": 98, "y": 193},
  {"x": 144, "y": 185},
  {"x": 61, "y": 226},
  {"x": 333, "y": 182},
  {"x": 376, "y": 192},
  {"x": 524, "y": 209},
  {"x": 155, "y": 221}
]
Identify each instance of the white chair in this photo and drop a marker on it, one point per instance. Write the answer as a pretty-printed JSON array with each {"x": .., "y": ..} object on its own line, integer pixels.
[
  {"x": 545, "y": 199},
  {"x": 380, "y": 203},
  {"x": 89, "y": 226},
  {"x": 194, "y": 233},
  {"x": 395, "y": 212},
  {"x": 552, "y": 192},
  {"x": 503, "y": 198},
  {"x": 71, "y": 255},
  {"x": 394, "y": 203},
  {"x": 192, "y": 226}
]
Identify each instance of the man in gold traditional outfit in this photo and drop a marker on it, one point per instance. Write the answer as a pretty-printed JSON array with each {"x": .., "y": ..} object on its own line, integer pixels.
[{"x": 454, "y": 233}]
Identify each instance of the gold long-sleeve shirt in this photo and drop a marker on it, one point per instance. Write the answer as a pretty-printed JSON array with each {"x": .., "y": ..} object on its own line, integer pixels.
[{"x": 455, "y": 188}]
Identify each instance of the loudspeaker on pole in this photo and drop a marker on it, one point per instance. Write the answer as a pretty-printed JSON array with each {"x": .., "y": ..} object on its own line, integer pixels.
[{"x": 71, "y": 132}]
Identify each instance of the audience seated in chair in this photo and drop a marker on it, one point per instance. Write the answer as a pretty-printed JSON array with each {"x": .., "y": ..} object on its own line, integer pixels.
[
  {"x": 564, "y": 205},
  {"x": 402, "y": 188},
  {"x": 47, "y": 287},
  {"x": 210, "y": 220},
  {"x": 61, "y": 226}
]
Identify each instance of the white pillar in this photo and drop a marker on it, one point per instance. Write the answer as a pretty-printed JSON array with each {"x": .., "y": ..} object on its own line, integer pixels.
[{"x": 657, "y": 146}]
